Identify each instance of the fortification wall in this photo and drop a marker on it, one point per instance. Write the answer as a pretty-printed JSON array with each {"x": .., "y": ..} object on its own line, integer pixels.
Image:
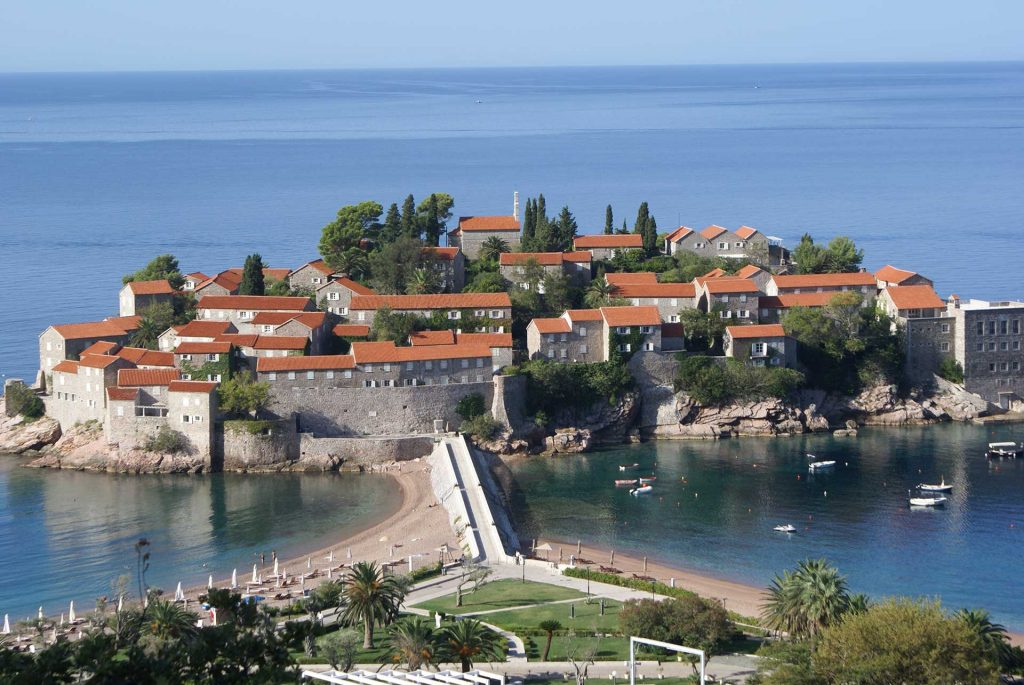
[
  {"x": 360, "y": 453},
  {"x": 271, "y": 449}
]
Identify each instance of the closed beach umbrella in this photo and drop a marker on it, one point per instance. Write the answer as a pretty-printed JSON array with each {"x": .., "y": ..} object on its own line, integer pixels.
[
  {"x": 275, "y": 566},
  {"x": 330, "y": 557},
  {"x": 40, "y": 614},
  {"x": 71, "y": 612},
  {"x": 179, "y": 594},
  {"x": 209, "y": 582},
  {"x": 234, "y": 578},
  {"x": 120, "y": 603},
  {"x": 349, "y": 554},
  {"x": 254, "y": 573},
  {"x": 330, "y": 572},
  {"x": 62, "y": 619},
  {"x": 309, "y": 563},
  {"x": 7, "y": 625}
]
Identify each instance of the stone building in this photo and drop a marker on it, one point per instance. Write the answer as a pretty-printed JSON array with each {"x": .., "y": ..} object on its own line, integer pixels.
[
  {"x": 224, "y": 283},
  {"x": 928, "y": 331},
  {"x": 669, "y": 298},
  {"x": 760, "y": 345},
  {"x": 630, "y": 329},
  {"x": 988, "y": 336},
  {"x": 205, "y": 361},
  {"x": 473, "y": 231},
  {"x": 890, "y": 275},
  {"x": 500, "y": 343},
  {"x": 194, "y": 331},
  {"x": 605, "y": 246},
  {"x": 576, "y": 336},
  {"x": 241, "y": 309},
  {"x": 491, "y": 312},
  {"x": 716, "y": 241},
  {"x": 450, "y": 264},
  {"x": 734, "y": 298},
  {"x": 136, "y": 413},
  {"x": 517, "y": 268},
  {"x": 137, "y": 295},
  {"x": 859, "y": 281},
  {"x": 67, "y": 341},
  {"x": 335, "y": 296},
  {"x": 314, "y": 326},
  {"x": 78, "y": 392},
  {"x": 193, "y": 279},
  {"x": 310, "y": 276},
  {"x": 772, "y": 308}
]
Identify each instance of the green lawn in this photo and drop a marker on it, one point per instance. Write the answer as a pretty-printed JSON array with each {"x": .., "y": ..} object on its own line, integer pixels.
[
  {"x": 502, "y": 594},
  {"x": 588, "y": 616},
  {"x": 606, "y": 648}
]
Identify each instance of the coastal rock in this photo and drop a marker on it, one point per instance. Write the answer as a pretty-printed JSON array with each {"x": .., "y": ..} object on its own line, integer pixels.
[
  {"x": 568, "y": 440},
  {"x": 84, "y": 448},
  {"x": 956, "y": 402},
  {"x": 606, "y": 422},
  {"x": 18, "y": 434}
]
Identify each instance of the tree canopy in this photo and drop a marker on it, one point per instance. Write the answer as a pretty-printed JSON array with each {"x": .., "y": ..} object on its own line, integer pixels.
[
  {"x": 161, "y": 267},
  {"x": 840, "y": 256},
  {"x": 252, "y": 276}
]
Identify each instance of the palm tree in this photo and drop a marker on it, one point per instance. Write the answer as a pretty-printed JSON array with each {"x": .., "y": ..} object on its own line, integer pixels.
[
  {"x": 468, "y": 641},
  {"x": 412, "y": 642},
  {"x": 492, "y": 247},
  {"x": 147, "y": 333},
  {"x": 549, "y": 626},
  {"x": 807, "y": 600},
  {"x": 372, "y": 598},
  {"x": 993, "y": 636},
  {"x": 168, "y": 620},
  {"x": 599, "y": 292},
  {"x": 859, "y": 603},
  {"x": 424, "y": 281}
]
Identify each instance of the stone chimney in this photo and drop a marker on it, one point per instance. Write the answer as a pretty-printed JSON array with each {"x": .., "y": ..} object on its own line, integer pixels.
[{"x": 515, "y": 205}]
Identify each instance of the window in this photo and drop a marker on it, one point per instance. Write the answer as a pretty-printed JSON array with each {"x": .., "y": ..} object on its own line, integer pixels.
[
  {"x": 317, "y": 279},
  {"x": 944, "y": 347},
  {"x": 1004, "y": 346},
  {"x": 367, "y": 384},
  {"x": 992, "y": 327},
  {"x": 272, "y": 376},
  {"x": 1016, "y": 326},
  {"x": 725, "y": 314},
  {"x": 1015, "y": 366},
  {"x": 186, "y": 376},
  {"x": 583, "y": 331},
  {"x": 463, "y": 379},
  {"x": 743, "y": 297},
  {"x": 1004, "y": 327},
  {"x": 186, "y": 357},
  {"x": 649, "y": 347},
  {"x": 583, "y": 349},
  {"x": 724, "y": 299},
  {"x": 291, "y": 375},
  {"x": 480, "y": 313},
  {"x": 368, "y": 368},
  {"x": 343, "y": 311},
  {"x": 551, "y": 354},
  {"x": 743, "y": 313},
  {"x": 215, "y": 377},
  {"x": 428, "y": 365},
  {"x": 564, "y": 353},
  {"x": 673, "y": 318},
  {"x": 409, "y": 366},
  {"x": 465, "y": 363},
  {"x": 213, "y": 357},
  {"x": 388, "y": 383},
  {"x": 495, "y": 313},
  {"x": 981, "y": 328},
  {"x": 479, "y": 363},
  {"x": 333, "y": 296},
  {"x": 1003, "y": 366},
  {"x": 443, "y": 365},
  {"x": 454, "y": 314},
  {"x": 758, "y": 349},
  {"x": 944, "y": 328},
  {"x": 185, "y": 418},
  {"x": 625, "y": 347},
  {"x": 622, "y": 330},
  {"x": 565, "y": 337},
  {"x": 991, "y": 347},
  {"x": 646, "y": 330},
  {"x": 245, "y": 315},
  {"x": 120, "y": 411},
  {"x": 980, "y": 347},
  {"x": 1016, "y": 344},
  {"x": 267, "y": 329},
  {"x": 410, "y": 381},
  {"x": 741, "y": 243},
  {"x": 310, "y": 375},
  {"x": 723, "y": 245},
  {"x": 347, "y": 374},
  {"x": 699, "y": 246},
  {"x": 362, "y": 316},
  {"x": 386, "y": 368},
  {"x": 992, "y": 367}
]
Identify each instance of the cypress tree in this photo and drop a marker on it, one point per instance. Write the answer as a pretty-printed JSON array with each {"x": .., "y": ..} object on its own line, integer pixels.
[
  {"x": 624, "y": 228},
  {"x": 642, "y": 217},
  {"x": 608, "y": 227},
  {"x": 432, "y": 227},
  {"x": 529, "y": 224},
  {"x": 410, "y": 225},
  {"x": 252, "y": 276},
  {"x": 566, "y": 229},
  {"x": 541, "y": 208},
  {"x": 651, "y": 237},
  {"x": 392, "y": 224}
]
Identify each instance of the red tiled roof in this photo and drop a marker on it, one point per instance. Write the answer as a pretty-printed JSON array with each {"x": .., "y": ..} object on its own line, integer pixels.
[
  {"x": 228, "y": 280},
  {"x": 488, "y": 223},
  {"x": 314, "y": 363},
  {"x": 714, "y": 273},
  {"x": 587, "y": 242},
  {"x": 154, "y": 358},
  {"x": 443, "y": 301},
  {"x": 551, "y": 325},
  {"x": 746, "y": 232},
  {"x": 134, "y": 354},
  {"x": 254, "y": 303},
  {"x": 191, "y": 386},
  {"x": 655, "y": 290},
  {"x": 445, "y": 254},
  {"x": 387, "y": 352},
  {"x": 97, "y": 361},
  {"x": 672, "y": 330},
  {"x": 197, "y": 276},
  {"x": 310, "y": 320},
  {"x": 280, "y": 342},
  {"x": 128, "y": 323},
  {"x": 770, "y": 330},
  {"x": 92, "y": 329},
  {"x": 584, "y": 314},
  {"x": 749, "y": 271},
  {"x": 123, "y": 394},
  {"x": 275, "y": 274},
  {"x": 204, "y": 329},
  {"x": 238, "y": 339},
  {"x": 713, "y": 231},
  {"x": 100, "y": 347},
  {"x": 351, "y": 330},
  {"x": 825, "y": 280},
  {"x": 357, "y": 288},
  {"x": 67, "y": 366},
  {"x": 730, "y": 284},
  {"x": 678, "y": 234},
  {"x": 151, "y": 287},
  {"x": 626, "y": 278},
  {"x": 543, "y": 258},
  {"x": 140, "y": 377},
  {"x": 222, "y": 347},
  {"x": 787, "y": 300},
  {"x": 432, "y": 338},
  {"x": 489, "y": 339},
  {"x": 891, "y": 274},
  {"x": 915, "y": 297},
  {"x": 631, "y": 316},
  {"x": 318, "y": 264}
]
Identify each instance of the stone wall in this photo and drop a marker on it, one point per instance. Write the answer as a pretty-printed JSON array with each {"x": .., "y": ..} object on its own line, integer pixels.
[
  {"x": 508, "y": 406},
  {"x": 327, "y": 454},
  {"x": 270, "y": 450},
  {"x": 338, "y": 412}
]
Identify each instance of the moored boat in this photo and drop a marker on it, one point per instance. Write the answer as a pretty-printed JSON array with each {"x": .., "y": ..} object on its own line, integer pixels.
[
  {"x": 647, "y": 480},
  {"x": 785, "y": 528},
  {"x": 931, "y": 487},
  {"x": 820, "y": 465},
  {"x": 628, "y": 467},
  {"x": 642, "y": 490},
  {"x": 1003, "y": 450},
  {"x": 936, "y": 501},
  {"x": 625, "y": 482}
]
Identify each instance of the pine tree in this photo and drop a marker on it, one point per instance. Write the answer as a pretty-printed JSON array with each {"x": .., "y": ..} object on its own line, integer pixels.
[
  {"x": 392, "y": 224},
  {"x": 410, "y": 225},
  {"x": 252, "y": 276},
  {"x": 608, "y": 225},
  {"x": 566, "y": 229}
]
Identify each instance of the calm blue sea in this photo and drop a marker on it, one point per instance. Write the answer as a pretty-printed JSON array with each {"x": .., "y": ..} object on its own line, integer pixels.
[{"x": 922, "y": 164}]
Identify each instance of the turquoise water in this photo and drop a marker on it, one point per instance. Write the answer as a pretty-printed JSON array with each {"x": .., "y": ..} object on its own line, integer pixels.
[
  {"x": 66, "y": 535},
  {"x": 921, "y": 163},
  {"x": 719, "y": 521}
]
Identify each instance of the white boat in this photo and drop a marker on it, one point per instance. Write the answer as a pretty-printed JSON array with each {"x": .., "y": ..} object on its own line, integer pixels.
[
  {"x": 785, "y": 528},
  {"x": 628, "y": 467},
  {"x": 820, "y": 465},
  {"x": 941, "y": 487},
  {"x": 936, "y": 501},
  {"x": 642, "y": 490},
  {"x": 998, "y": 450}
]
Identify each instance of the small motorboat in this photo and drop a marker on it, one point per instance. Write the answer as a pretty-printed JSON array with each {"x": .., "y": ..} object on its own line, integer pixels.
[
  {"x": 941, "y": 487},
  {"x": 785, "y": 528},
  {"x": 936, "y": 501},
  {"x": 642, "y": 490},
  {"x": 623, "y": 483},
  {"x": 648, "y": 480},
  {"x": 1003, "y": 450},
  {"x": 815, "y": 466},
  {"x": 628, "y": 467}
]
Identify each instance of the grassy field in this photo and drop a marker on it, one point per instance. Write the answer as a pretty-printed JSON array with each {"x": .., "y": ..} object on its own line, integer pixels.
[
  {"x": 588, "y": 616},
  {"x": 502, "y": 594}
]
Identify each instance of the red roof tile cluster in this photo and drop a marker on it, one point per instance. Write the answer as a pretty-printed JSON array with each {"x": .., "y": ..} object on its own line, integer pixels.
[
  {"x": 197, "y": 276},
  {"x": 222, "y": 347},
  {"x": 655, "y": 290},
  {"x": 146, "y": 377},
  {"x": 626, "y": 278},
  {"x": 192, "y": 386},
  {"x": 787, "y": 300},
  {"x": 489, "y": 339},
  {"x": 432, "y": 338},
  {"x": 749, "y": 271},
  {"x": 238, "y": 339},
  {"x": 543, "y": 258},
  {"x": 915, "y": 297},
  {"x": 280, "y": 342},
  {"x": 66, "y": 366},
  {"x": 771, "y": 330},
  {"x": 97, "y": 361},
  {"x": 551, "y": 325},
  {"x": 442, "y": 301},
  {"x": 631, "y": 316},
  {"x": 151, "y": 288},
  {"x": 585, "y": 314},
  {"x": 357, "y": 288},
  {"x": 128, "y": 323},
  {"x": 678, "y": 234},
  {"x": 859, "y": 278},
  {"x": 255, "y": 303},
  {"x": 92, "y": 329},
  {"x": 315, "y": 363},
  {"x": 101, "y": 347},
  {"x": 310, "y": 320},
  {"x": 387, "y": 352},
  {"x": 726, "y": 285},
  {"x": 205, "y": 329},
  {"x": 444, "y": 254},
  {"x": 122, "y": 394},
  {"x": 143, "y": 357},
  {"x": 318, "y": 264},
  {"x": 229, "y": 280},
  {"x": 615, "y": 240},
  {"x": 351, "y": 330},
  {"x": 746, "y": 232},
  {"x": 713, "y": 231},
  {"x": 488, "y": 223},
  {"x": 890, "y": 274}
]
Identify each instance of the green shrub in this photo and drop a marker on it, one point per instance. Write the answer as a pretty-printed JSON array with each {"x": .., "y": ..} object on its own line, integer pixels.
[
  {"x": 951, "y": 370},
  {"x": 166, "y": 441},
  {"x": 471, "y": 406},
  {"x": 552, "y": 386},
  {"x": 22, "y": 400},
  {"x": 425, "y": 572},
  {"x": 482, "y": 427},
  {"x": 714, "y": 384}
]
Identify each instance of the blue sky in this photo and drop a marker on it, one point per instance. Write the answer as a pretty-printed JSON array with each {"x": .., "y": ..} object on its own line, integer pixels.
[{"x": 71, "y": 35}]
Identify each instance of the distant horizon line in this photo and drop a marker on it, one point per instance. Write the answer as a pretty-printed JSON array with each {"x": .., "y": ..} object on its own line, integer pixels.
[{"x": 228, "y": 70}]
